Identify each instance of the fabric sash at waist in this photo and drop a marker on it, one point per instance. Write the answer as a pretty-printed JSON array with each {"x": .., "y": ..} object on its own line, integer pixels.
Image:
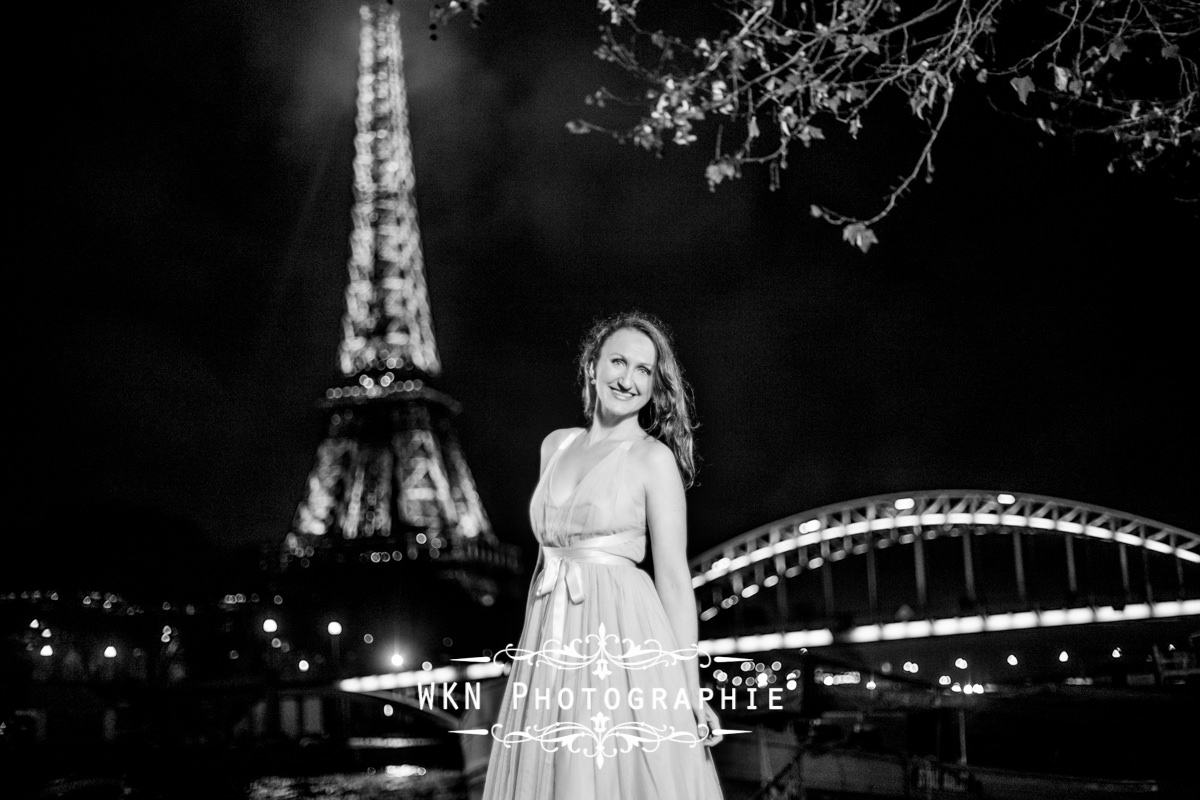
[{"x": 562, "y": 564}]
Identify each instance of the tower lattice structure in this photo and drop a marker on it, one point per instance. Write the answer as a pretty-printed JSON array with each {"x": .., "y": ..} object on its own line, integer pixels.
[{"x": 390, "y": 483}]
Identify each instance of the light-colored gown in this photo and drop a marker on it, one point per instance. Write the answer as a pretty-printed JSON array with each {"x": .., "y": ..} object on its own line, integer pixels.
[{"x": 595, "y": 621}]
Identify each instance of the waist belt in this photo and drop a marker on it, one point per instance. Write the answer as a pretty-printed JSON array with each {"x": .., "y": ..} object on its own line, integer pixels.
[{"x": 562, "y": 565}]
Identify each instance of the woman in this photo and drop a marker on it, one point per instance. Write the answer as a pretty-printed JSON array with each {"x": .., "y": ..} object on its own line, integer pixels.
[{"x": 603, "y": 697}]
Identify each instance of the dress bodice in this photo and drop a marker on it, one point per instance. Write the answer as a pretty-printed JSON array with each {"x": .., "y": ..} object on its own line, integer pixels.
[{"x": 602, "y": 503}]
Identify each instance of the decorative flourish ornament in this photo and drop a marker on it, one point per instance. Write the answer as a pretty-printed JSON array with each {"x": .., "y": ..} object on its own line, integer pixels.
[
  {"x": 604, "y": 649},
  {"x": 599, "y": 741}
]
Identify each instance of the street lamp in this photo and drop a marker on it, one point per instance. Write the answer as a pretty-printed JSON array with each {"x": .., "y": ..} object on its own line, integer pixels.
[
  {"x": 270, "y": 625},
  {"x": 335, "y": 630}
]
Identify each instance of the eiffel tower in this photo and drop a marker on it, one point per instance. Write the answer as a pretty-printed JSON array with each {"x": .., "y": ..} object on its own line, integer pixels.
[{"x": 391, "y": 529}]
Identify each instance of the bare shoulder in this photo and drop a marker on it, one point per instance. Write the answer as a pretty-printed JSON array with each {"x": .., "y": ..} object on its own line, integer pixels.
[
  {"x": 553, "y": 440},
  {"x": 657, "y": 460}
]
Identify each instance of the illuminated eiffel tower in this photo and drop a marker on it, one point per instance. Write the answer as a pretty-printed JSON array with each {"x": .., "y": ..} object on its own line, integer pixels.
[{"x": 391, "y": 515}]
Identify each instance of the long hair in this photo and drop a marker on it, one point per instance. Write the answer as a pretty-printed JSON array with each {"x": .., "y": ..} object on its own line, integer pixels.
[{"x": 668, "y": 415}]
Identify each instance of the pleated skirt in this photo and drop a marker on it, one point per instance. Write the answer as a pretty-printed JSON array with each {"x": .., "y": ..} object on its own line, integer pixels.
[{"x": 599, "y": 709}]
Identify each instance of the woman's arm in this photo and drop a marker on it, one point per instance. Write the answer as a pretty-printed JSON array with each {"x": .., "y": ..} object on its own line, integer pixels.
[
  {"x": 666, "y": 517},
  {"x": 549, "y": 445}
]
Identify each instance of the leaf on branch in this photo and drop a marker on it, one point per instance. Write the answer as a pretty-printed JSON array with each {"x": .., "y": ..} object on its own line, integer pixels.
[
  {"x": 720, "y": 96},
  {"x": 617, "y": 10},
  {"x": 1024, "y": 86},
  {"x": 868, "y": 43},
  {"x": 577, "y": 126},
  {"x": 1170, "y": 51},
  {"x": 809, "y": 132},
  {"x": 787, "y": 120},
  {"x": 815, "y": 211},
  {"x": 718, "y": 171},
  {"x": 981, "y": 76},
  {"x": 1117, "y": 48},
  {"x": 917, "y": 102},
  {"x": 859, "y": 235},
  {"x": 1061, "y": 77}
]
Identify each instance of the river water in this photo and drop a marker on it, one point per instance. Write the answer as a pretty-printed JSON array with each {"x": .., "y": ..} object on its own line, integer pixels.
[{"x": 390, "y": 783}]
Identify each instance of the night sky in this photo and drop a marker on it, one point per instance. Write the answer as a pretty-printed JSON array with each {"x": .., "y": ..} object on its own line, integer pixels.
[{"x": 1025, "y": 323}]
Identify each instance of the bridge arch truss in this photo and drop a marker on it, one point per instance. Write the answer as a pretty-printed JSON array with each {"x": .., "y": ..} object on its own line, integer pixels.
[{"x": 1103, "y": 564}]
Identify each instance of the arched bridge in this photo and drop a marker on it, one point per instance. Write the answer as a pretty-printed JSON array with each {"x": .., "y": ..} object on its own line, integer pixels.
[
  {"x": 904, "y": 566},
  {"x": 918, "y": 564}
]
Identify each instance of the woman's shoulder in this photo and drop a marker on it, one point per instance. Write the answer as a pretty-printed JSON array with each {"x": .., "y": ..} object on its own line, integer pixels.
[
  {"x": 556, "y": 438},
  {"x": 654, "y": 455}
]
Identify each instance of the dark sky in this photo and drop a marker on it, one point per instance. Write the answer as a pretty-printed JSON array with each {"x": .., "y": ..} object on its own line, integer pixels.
[{"x": 1025, "y": 324}]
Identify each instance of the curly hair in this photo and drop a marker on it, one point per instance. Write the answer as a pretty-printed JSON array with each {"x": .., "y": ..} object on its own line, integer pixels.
[{"x": 668, "y": 415}]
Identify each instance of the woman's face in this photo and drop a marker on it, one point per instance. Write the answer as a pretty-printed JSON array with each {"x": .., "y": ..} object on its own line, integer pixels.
[{"x": 624, "y": 373}]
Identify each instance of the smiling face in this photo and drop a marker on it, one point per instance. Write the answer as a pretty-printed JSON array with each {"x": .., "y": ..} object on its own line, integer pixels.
[{"x": 624, "y": 373}]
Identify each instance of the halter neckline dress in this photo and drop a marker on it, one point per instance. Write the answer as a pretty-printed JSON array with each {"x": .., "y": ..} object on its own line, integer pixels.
[{"x": 592, "y": 706}]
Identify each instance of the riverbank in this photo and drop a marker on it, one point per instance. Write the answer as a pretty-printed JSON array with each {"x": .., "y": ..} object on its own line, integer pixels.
[
  {"x": 1107, "y": 733},
  {"x": 266, "y": 772}
]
